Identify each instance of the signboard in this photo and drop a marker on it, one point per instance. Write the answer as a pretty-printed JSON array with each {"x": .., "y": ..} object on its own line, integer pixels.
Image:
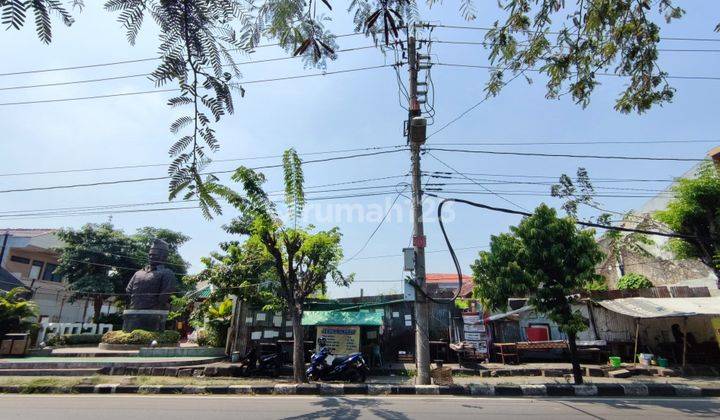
[
  {"x": 475, "y": 331},
  {"x": 341, "y": 340},
  {"x": 475, "y": 328},
  {"x": 716, "y": 327}
]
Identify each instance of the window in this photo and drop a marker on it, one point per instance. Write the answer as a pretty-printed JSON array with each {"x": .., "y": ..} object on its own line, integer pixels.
[
  {"x": 49, "y": 274},
  {"x": 35, "y": 270},
  {"x": 20, "y": 260}
]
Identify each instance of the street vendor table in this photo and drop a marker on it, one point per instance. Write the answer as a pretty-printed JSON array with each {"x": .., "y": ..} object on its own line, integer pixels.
[{"x": 509, "y": 350}]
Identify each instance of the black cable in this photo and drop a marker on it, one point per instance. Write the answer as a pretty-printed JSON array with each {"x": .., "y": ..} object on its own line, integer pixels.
[
  {"x": 618, "y": 157},
  {"x": 152, "y": 165},
  {"x": 693, "y": 50},
  {"x": 124, "y": 181},
  {"x": 131, "y": 76},
  {"x": 145, "y": 92},
  {"x": 480, "y": 28},
  {"x": 487, "y": 67},
  {"x": 114, "y": 63},
  {"x": 377, "y": 228}
]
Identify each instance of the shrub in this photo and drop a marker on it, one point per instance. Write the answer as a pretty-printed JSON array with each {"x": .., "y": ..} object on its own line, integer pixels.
[
  {"x": 141, "y": 337},
  {"x": 74, "y": 339},
  {"x": 633, "y": 281}
]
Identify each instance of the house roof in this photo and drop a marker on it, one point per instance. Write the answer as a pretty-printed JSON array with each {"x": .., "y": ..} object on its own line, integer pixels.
[
  {"x": 27, "y": 233},
  {"x": 451, "y": 279},
  {"x": 8, "y": 281},
  {"x": 640, "y": 307}
]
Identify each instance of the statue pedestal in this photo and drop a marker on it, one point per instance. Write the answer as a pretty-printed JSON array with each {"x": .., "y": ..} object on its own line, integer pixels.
[{"x": 144, "y": 319}]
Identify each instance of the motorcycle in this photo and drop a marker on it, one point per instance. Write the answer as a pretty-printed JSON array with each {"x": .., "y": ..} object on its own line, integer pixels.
[
  {"x": 325, "y": 366},
  {"x": 254, "y": 364}
]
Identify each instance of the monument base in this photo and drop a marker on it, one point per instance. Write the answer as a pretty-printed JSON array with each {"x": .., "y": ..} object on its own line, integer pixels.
[{"x": 144, "y": 319}]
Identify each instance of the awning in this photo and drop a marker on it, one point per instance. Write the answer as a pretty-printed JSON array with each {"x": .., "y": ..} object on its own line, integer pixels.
[
  {"x": 640, "y": 307},
  {"x": 342, "y": 318}
]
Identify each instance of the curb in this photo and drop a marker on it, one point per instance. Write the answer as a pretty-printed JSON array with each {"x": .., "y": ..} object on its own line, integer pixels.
[{"x": 333, "y": 389}]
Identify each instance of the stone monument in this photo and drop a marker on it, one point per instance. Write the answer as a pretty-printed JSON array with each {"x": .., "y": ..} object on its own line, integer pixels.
[{"x": 150, "y": 290}]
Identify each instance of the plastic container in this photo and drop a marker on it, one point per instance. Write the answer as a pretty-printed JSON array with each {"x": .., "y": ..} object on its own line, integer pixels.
[
  {"x": 645, "y": 358},
  {"x": 615, "y": 361},
  {"x": 662, "y": 362}
]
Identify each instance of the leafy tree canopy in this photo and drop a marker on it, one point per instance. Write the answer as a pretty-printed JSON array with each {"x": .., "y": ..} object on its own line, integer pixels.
[
  {"x": 544, "y": 258},
  {"x": 570, "y": 43},
  {"x": 695, "y": 211}
]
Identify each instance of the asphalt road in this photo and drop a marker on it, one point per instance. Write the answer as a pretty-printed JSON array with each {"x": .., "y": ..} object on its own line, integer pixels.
[{"x": 124, "y": 407}]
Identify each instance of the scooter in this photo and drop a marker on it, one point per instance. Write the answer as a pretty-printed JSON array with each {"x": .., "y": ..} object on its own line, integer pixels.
[
  {"x": 262, "y": 365},
  {"x": 325, "y": 366}
]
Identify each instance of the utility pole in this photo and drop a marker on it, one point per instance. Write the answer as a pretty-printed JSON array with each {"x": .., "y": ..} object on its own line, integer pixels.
[{"x": 416, "y": 127}]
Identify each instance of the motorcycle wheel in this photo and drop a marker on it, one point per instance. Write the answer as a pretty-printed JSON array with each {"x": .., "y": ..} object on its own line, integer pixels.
[{"x": 356, "y": 376}]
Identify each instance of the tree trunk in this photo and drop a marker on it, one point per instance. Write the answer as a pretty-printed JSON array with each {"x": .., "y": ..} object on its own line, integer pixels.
[
  {"x": 577, "y": 372},
  {"x": 298, "y": 345},
  {"x": 97, "y": 311}
]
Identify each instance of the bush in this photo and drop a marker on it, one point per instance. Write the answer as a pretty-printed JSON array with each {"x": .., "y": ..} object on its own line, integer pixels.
[
  {"x": 74, "y": 339},
  {"x": 141, "y": 337},
  {"x": 633, "y": 281}
]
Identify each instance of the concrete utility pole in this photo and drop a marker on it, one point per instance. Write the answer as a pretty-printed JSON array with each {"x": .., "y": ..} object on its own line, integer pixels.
[{"x": 416, "y": 126}]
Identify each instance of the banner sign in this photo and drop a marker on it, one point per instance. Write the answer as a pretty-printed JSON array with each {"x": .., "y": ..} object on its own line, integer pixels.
[{"x": 341, "y": 340}]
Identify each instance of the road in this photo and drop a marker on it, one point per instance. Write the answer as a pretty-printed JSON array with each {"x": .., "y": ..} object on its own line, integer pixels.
[{"x": 126, "y": 407}]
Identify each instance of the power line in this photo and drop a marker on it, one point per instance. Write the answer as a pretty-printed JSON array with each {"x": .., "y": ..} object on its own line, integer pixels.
[
  {"x": 138, "y": 60},
  {"x": 441, "y": 174},
  {"x": 151, "y": 165},
  {"x": 379, "y": 225},
  {"x": 132, "y": 76},
  {"x": 690, "y": 50},
  {"x": 145, "y": 92},
  {"x": 481, "y": 28},
  {"x": 537, "y": 154},
  {"x": 134, "y": 180},
  {"x": 482, "y": 186},
  {"x": 487, "y": 67},
  {"x": 483, "y": 142}
]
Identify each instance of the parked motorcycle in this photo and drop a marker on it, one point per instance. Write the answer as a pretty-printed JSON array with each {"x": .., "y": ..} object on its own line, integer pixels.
[
  {"x": 325, "y": 366},
  {"x": 255, "y": 364}
]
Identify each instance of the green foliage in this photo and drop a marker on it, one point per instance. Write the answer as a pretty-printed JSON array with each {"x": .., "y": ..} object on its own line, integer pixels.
[
  {"x": 573, "y": 42},
  {"x": 632, "y": 281},
  {"x": 74, "y": 339},
  {"x": 15, "y": 12},
  {"x": 141, "y": 337},
  {"x": 545, "y": 258},
  {"x": 16, "y": 311},
  {"x": 597, "y": 285},
  {"x": 694, "y": 212},
  {"x": 462, "y": 304}
]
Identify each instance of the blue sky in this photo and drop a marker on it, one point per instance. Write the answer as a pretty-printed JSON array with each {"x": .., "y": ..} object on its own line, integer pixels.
[{"x": 352, "y": 110}]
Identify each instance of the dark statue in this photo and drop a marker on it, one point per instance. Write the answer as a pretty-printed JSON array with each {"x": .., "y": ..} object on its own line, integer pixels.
[{"x": 150, "y": 290}]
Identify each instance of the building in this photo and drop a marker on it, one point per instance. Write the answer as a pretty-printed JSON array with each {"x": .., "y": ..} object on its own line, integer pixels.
[
  {"x": 444, "y": 284},
  {"x": 30, "y": 257},
  {"x": 655, "y": 261}
]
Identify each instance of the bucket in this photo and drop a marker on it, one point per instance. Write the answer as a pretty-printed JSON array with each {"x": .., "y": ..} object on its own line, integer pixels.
[
  {"x": 615, "y": 361},
  {"x": 645, "y": 358},
  {"x": 662, "y": 362}
]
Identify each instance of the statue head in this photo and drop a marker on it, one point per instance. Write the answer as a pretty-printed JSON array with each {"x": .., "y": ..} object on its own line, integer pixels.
[{"x": 159, "y": 251}]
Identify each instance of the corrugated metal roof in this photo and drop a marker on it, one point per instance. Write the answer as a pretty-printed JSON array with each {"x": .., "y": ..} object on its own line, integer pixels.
[
  {"x": 28, "y": 233},
  {"x": 640, "y": 307}
]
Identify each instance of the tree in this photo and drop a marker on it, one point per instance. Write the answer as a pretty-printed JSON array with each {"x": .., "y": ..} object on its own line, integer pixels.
[
  {"x": 545, "y": 258},
  {"x": 581, "y": 192},
  {"x": 98, "y": 260},
  {"x": 571, "y": 43},
  {"x": 633, "y": 281},
  {"x": 694, "y": 211},
  {"x": 302, "y": 258},
  {"x": 15, "y": 311}
]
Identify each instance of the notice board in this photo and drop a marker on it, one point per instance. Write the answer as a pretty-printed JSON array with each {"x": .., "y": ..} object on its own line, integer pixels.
[{"x": 342, "y": 340}]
